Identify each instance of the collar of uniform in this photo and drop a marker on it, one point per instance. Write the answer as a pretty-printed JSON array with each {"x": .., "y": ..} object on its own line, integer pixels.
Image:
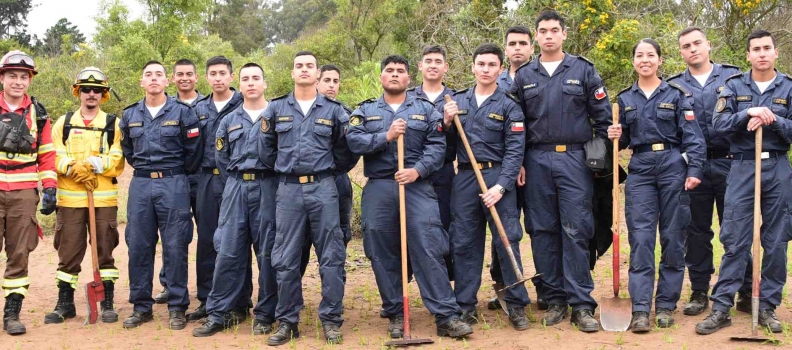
[
  {"x": 239, "y": 113},
  {"x": 778, "y": 79},
  {"x": 716, "y": 69},
  {"x": 663, "y": 85},
  {"x": 420, "y": 92},
  {"x": 407, "y": 101},
  {"x": 235, "y": 96},
  {"x": 504, "y": 76},
  {"x": 471, "y": 94},
  {"x": 166, "y": 107},
  {"x": 566, "y": 61},
  {"x": 318, "y": 102},
  {"x": 101, "y": 115},
  {"x": 4, "y": 106}
]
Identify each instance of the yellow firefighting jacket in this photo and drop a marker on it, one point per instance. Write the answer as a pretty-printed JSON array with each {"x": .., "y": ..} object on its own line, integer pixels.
[{"x": 80, "y": 145}]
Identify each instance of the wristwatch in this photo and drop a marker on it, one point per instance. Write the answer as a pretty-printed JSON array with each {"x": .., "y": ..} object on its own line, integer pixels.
[{"x": 502, "y": 189}]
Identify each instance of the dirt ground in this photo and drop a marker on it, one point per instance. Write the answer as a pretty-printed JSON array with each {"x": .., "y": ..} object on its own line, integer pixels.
[{"x": 362, "y": 329}]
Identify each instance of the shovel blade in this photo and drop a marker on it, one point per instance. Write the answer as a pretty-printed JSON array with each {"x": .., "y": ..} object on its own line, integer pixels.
[
  {"x": 755, "y": 339},
  {"x": 615, "y": 314},
  {"x": 500, "y": 292},
  {"x": 409, "y": 342}
]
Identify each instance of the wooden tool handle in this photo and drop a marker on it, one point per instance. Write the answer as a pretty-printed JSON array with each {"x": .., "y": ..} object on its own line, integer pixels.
[
  {"x": 92, "y": 229},
  {"x": 493, "y": 212},
  {"x": 403, "y": 234},
  {"x": 757, "y": 224},
  {"x": 616, "y": 197}
]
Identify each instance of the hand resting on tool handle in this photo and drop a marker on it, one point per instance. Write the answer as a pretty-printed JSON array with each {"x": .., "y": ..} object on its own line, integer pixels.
[
  {"x": 397, "y": 128},
  {"x": 492, "y": 196}
]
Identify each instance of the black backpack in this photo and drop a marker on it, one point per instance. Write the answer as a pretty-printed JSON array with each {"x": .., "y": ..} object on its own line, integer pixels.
[{"x": 109, "y": 129}]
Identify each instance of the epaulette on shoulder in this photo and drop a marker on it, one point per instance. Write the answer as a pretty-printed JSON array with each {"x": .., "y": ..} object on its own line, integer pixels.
[
  {"x": 586, "y": 60},
  {"x": 675, "y": 76},
  {"x": 511, "y": 96},
  {"x": 788, "y": 77},
  {"x": 459, "y": 92},
  {"x": 523, "y": 65},
  {"x": 182, "y": 103},
  {"x": 679, "y": 87},
  {"x": 412, "y": 88},
  {"x": 132, "y": 105},
  {"x": 280, "y": 97},
  {"x": 738, "y": 75},
  {"x": 203, "y": 98},
  {"x": 624, "y": 90},
  {"x": 726, "y": 65},
  {"x": 373, "y": 99}
]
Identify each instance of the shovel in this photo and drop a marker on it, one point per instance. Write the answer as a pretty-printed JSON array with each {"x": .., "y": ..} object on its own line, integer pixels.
[
  {"x": 406, "y": 340},
  {"x": 499, "y": 289},
  {"x": 616, "y": 312},
  {"x": 757, "y": 259},
  {"x": 94, "y": 291}
]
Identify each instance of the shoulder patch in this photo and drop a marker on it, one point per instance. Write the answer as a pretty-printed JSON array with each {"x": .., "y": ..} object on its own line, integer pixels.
[
  {"x": 219, "y": 143},
  {"x": 265, "y": 125},
  {"x": 356, "y": 120},
  {"x": 721, "y": 105},
  {"x": 679, "y": 87}
]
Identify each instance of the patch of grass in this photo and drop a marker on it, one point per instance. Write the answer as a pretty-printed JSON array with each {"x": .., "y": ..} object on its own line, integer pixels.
[{"x": 620, "y": 338}]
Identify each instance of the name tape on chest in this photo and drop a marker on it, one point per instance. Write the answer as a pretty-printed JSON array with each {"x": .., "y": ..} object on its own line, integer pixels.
[
  {"x": 780, "y": 101},
  {"x": 323, "y": 121},
  {"x": 529, "y": 86},
  {"x": 629, "y": 108},
  {"x": 373, "y": 118},
  {"x": 744, "y": 98},
  {"x": 283, "y": 119},
  {"x": 170, "y": 123},
  {"x": 234, "y": 127},
  {"x": 418, "y": 117},
  {"x": 201, "y": 117},
  {"x": 572, "y": 82},
  {"x": 462, "y": 112},
  {"x": 666, "y": 105},
  {"x": 134, "y": 125},
  {"x": 719, "y": 89},
  {"x": 495, "y": 116}
]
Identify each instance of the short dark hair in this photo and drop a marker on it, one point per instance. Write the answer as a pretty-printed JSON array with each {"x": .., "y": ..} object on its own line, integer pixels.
[
  {"x": 252, "y": 64},
  {"x": 519, "y": 30},
  {"x": 153, "y": 62},
  {"x": 689, "y": 30},
  {"x": 650, "y": 42},
  {"x": 307, "y": 53},
  {"x": 398, "y": 59},
  {"x": 550, "y": 15},
  {"x": 434, "y": 49},
  {"x": 219, "y": 60},
  {"x": 758, "y": 34},
  {"x": 488, "y": 48},
  {"x": 184, "y": 62},
  {"x": 329, "y": 67}
]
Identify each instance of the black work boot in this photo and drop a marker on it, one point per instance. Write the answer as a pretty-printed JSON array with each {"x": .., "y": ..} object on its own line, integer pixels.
[
  {"x": 383, "y": 314},
  {"x": 640, "y": 322},
  {"x": 285, "y": 333},
  {"x": 64, "y": 307},
  {"x": 138, "y": 318},
  {"x": 743, "y": 302},
  {"x": 470, "y": 317},
  {"x": 208, "y": 329},
  {"x": 715, "y": 321},
  {"x": 162, "y": 297},
  {"x": 199, "y": 313},
  {"x": 13, "y": 306},
  {"x": 541, "y": 304},
  {"x": 494, "y": 304},
  {"x": 664, "y": 318},
  {"x": 260, "y": 327},
  {"x": 769, "y": 320},
  {"x": 584, "y": 320},
  {"x": 454, "y": 328},
  {"x": 396, "y": 327},
  {"x": 109, "y": 315},
  {"x": 177, "y": 321},
  {"x": 332, "y": 333},
  {"x": 238, "y": 315},
  {"x": 697, "y": 304},
  {"x": 518, "y": 319},
  {"x": 555, "y": 314}
]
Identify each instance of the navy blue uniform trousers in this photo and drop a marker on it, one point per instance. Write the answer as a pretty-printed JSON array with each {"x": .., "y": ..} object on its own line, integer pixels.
[
  {"x": 427, "y": 244},
  {"x": 158, "y": 204}
]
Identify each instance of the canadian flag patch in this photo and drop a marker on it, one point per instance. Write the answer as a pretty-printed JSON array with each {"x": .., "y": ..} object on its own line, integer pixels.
[
  {"x": 517, "y": 127},
  {"x": 192, "y": 133},
  {"x": 600, "y": 93},
  {"x": 689, "y": 115}
]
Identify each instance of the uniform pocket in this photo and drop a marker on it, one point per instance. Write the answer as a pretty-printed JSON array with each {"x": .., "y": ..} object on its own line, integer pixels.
[
  {"x": 323, "y": 133},
  {"x": 576, "y": 90},
  {"x": 283, "y": 129},
  {"x": 666, "y": 124},
  {"x": 170, "y": 131},
  {"x": 494, "y": 132},
  {"x": 374, "y": 125}
]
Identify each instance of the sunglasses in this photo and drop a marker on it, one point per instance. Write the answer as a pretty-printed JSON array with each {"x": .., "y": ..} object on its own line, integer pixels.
[{"x": 96, "y": 90}]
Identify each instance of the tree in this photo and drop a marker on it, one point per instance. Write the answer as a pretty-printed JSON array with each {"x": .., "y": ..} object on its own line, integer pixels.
[
  {"x": 13, "y": 16},
  {"x": 285, "y": 20},
  {"x": 172, "y": 20},
  {"x": 239, "y": 22},
  {"x": 370, "y": 23},
  {"x": 54, "y": 39}
]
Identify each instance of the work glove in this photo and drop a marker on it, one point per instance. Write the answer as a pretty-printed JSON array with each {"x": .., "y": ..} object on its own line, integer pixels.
[
  {"x": 97, "y": 163},
  {"x": 91, "y": 184},
  {"x": 84, "y": 171},
  {"x": 79, "y": 171},
  {"x": 49, "y": 201}
]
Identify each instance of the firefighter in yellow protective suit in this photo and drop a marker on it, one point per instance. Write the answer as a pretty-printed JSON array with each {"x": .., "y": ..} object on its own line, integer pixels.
[{"x": 88, "y": 158}]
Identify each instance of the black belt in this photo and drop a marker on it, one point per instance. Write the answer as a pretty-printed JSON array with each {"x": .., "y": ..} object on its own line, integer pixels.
[
  {"x": 764, "y": 155},
  {"x": 207, "y": 170},
  {"x": 556, "y": 148},
  {"x": 158, "y": 174},
  {"x": 253, "y": 175},
  {"x": 305, "y": 179},
  {"x": 655, "y": 147},
  {"x": 481, "y": 165},
  {"x": 714, "y": 154}
]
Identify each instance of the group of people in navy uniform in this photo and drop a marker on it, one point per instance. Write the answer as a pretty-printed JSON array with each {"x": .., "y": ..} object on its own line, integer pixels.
[{"x": 271, "y": 175}]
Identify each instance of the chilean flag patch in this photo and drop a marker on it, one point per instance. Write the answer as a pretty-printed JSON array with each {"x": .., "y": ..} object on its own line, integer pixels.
[
  {"x": 600, "y": 93},
  {"x": 689, "y": 115},
  {"x": 517, "y": 127},
  {"x": 440, "y": 127},
  {"x": 192, "y": 133}
]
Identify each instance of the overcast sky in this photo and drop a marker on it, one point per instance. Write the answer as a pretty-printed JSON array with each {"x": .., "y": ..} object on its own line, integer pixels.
[{"x": 46, "y": 13}]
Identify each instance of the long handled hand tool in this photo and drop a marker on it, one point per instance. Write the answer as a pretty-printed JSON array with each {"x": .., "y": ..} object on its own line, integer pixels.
[
  {"x": 406, "y": 340},
  {"x": 615, "y": 312},
  {"x": 493, "y": 212},
  {"x": 757, "y": 258},
  {"x": 94, "y": 290}
]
